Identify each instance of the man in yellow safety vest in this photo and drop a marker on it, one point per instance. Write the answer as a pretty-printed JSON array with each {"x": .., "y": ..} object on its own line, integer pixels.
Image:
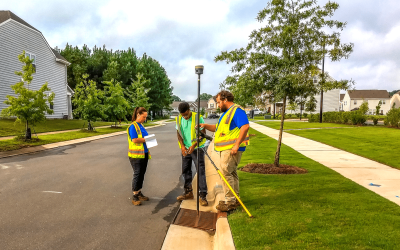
[
  {"x": 230, "y": 141},
  {"x": 187, "y": 139}
]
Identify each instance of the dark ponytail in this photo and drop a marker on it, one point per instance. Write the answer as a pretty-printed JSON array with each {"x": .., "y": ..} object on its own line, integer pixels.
[{"x": 138, "y": 111}]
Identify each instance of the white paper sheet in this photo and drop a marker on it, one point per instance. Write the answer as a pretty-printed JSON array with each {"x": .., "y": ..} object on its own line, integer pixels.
[{"x": 151, "y": 141}]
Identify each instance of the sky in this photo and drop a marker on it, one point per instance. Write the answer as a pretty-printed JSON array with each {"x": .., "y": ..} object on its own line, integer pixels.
[{"x": 181, "y": 34}]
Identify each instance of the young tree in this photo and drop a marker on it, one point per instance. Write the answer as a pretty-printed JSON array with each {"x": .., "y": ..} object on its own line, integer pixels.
[
  {"x": 87, "y": 99},
  {"x": 282, "y": 57},
  {"x": 292, "y": 106},
  {"x": 203, "y": 111},
  {"x": 311, "y": 104},
  {"x": 137, "y": 93},
  {"x": 29, "y": 106},
  {"x": 363, "y": 109},
  {"x": 116, "y": 107},
  {"x": 378, "y": 108}
]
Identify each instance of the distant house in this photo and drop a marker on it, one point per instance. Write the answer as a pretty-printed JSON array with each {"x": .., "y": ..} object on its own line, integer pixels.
[
  {"x": 395, "y": 100},
  {"x": 354, "y": 98},
  {"x": 16, "y": 36},
  {"x": 331, "y": 100},
  {"x": 341, "y": 97},
  {"x": 193, "y": 107},
  {"x": 212, "y": 105}
]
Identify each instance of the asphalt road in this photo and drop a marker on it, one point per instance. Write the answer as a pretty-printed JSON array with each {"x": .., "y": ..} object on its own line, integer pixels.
[{"x": 79, "y": 197}]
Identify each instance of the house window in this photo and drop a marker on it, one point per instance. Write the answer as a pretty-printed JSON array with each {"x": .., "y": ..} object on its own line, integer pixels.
[
  {"x": 355, "y": 101},
  {"x": 211, "y": 105},
  {"x": 32, "y": 57},
  {"x": 345, "y": 103},
  {"x": 383, "y": 101},
  {"x": 315, "y": 80}
]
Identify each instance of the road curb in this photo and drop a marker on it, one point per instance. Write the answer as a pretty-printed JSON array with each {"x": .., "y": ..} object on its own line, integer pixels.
[{"x": 36, "y": 149}]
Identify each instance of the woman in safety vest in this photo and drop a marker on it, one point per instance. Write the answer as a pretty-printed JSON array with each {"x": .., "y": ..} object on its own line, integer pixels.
[{"x": 138, "y": 153}]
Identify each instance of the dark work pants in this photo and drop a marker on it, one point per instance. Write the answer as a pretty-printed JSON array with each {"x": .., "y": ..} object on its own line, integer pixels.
[
  {"x": 139, "y": 166},
  {"x": 187, "y": 171}
]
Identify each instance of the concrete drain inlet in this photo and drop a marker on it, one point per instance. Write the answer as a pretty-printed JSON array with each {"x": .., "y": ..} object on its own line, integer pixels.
[{"x": 205, "y": 220}]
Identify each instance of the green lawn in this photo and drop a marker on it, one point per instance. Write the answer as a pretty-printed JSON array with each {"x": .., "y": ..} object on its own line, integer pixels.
[
  {"x": 318, "y": 210},
  {"x": 376, "y": 143},
  {"x": 8, "y": 145},
  {"x": 10, "y": 128},
  {"x": 301, "y": 125}
]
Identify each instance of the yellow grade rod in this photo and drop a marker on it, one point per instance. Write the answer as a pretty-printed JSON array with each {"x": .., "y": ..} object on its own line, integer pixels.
[{"x": 237, "y": 197}]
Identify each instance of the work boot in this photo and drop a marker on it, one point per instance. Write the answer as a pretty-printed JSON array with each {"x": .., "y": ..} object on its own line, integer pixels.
[
  {"x": 203, "y": 201},
  {"x": 142, "y": 197},
  {"x": 136, "y": 200},
  {"x": 226, "y": 207},
  {"x": 237, "y": 203},
  {"x": 187, "y": 195}
]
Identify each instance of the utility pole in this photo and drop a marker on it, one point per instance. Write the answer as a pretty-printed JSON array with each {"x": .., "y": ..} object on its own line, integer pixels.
[{"x": 322, "y": 91}]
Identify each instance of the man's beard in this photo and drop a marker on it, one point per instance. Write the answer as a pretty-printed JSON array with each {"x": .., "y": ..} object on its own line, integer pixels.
[{"x": 224, "y": 108}]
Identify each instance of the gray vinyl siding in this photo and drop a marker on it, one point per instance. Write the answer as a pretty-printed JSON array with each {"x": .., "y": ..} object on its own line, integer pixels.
[{"x": 14, "y": 38}]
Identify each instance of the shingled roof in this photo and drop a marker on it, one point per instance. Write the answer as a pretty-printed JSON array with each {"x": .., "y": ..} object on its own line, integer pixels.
[
  {"x": 368, "y": 94},
  {"x": 342, "y": 96},
  {"x": 6, "y": 14},
  {"x": 58, "y": 55}
]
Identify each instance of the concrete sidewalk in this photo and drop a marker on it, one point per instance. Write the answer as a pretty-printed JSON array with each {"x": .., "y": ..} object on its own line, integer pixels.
[{"x": 356, "y": 168}]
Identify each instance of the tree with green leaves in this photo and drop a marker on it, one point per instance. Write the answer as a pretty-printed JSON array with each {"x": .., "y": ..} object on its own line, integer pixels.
[
  {"x": 137, "y": 93},
  {"x": 116, "y": 107},
  {"x": 282, "y": 56},
  {"x": 292, "y": 106},
  {"x": 311, "y": 104},
  {"x": 176, "y": 98},
  {"x": 363, "y": 109},
  {"x": 88, "y": 101},
  {"x": 29, "y": 106},
  {"x": 204, "y": 97},
  {"x": 202, "y": 111},
  {"x": 378, "y": 108}
]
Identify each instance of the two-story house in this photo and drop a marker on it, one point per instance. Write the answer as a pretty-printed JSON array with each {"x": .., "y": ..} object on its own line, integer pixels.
[
  {"x": 212, "y": 105},
  {"x": 395, "y": 99},
  {"x": 17, "y": 36},
  {"x": 354, "y": 98}
]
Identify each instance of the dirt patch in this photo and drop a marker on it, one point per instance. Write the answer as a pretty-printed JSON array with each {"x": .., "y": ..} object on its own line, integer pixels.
[
  {"x": 261, "y": 168},
  {"x": 252, "y": 135}
]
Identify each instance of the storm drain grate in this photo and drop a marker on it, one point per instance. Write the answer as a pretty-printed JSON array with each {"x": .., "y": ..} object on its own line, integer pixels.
[{"x": 189, "y": 218}]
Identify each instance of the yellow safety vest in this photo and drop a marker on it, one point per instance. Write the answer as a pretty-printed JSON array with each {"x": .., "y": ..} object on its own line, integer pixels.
[
  {"x": 225, "y": 138},
  {"x": 136, "y": 150},
  {"x": 193, "y": 130}
]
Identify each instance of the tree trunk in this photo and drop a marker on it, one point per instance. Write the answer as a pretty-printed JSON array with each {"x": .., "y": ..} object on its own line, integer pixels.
[{"x": 278, "y": 149}]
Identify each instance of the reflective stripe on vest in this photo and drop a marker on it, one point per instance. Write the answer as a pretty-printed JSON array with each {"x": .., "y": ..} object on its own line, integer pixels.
[
  {"x": 225, "y": 138},
  {"x": 193, "y": 130},
  {"x": 136, "y": 150}
]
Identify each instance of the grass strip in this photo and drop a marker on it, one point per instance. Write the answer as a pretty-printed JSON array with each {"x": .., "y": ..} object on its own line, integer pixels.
[
  {"x": 318, "y": 210},
  {"x": 301, "y": 125},
  {"x": 9, "y": 127},
  {"x": 14, "y": 144},
  {"x": 375, "y": 143}
]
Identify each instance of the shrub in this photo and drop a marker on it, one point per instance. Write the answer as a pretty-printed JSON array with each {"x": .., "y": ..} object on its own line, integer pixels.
[
  {"x": 305, "y": 115},
  {"x": 386, "y": 121},
  {"x": 288, "y": 116},
  {"x": 313, "y": 118},
  {"x": 375, "y": 120},
  {"x": 357, "y": 118},
  {"x": 393, "y": 117}
]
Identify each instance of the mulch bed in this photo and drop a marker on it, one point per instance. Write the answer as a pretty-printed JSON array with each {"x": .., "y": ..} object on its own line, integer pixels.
[{"x": 261, "y": 168}]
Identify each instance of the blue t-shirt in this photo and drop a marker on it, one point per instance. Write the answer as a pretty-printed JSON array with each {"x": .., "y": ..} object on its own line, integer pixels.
[
  {"x": 134, "y": 135},
  {"x": 238, "y": 120}
]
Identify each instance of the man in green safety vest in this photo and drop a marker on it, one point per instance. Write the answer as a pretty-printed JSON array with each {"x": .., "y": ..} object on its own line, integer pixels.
[
  {"x": 187, "y": 139},
  {"x": 230, "y": 141}
]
